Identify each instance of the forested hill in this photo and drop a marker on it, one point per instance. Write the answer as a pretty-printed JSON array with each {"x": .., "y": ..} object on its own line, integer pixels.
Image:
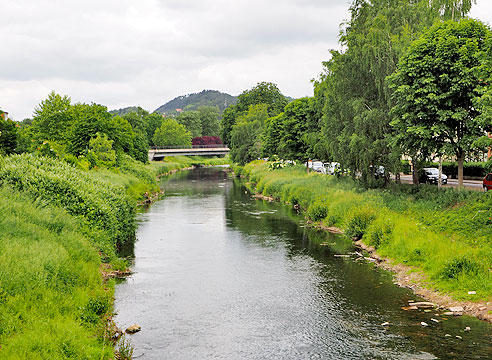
[
  {"x": 193, "y": 101},
  {"x": 125, "y": 111}
]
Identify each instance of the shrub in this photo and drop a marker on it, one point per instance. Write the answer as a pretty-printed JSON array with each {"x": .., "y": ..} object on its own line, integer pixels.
[
  {"x": 359, "y": 221},
  {"x": 318, "y": 210},
  {"x": 460, "y": 266}
]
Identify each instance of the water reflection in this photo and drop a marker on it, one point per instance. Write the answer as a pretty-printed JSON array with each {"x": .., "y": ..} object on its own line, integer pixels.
[{"x": 222, "y": 275}]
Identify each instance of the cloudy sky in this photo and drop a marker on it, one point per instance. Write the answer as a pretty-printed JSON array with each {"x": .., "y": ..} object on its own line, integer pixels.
[{"x": 125, "y": 52}]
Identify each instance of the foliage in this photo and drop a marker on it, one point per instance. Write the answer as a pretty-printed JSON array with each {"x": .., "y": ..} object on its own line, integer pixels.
[
  {"x": 245, "y": 136},
  {"x": 206, "y": 140},
  {"x": 352, "y": 94},
  {"x": 8, "y": 136},
  {"x": 286, "y": 134},
  {"x": 194, "y": 101},
  {"x": 50, "y": 271},
  {"x": 192, "y": 121},
  {"x": 264, "y": 93},
  {"x": 101, "y": 153},
  {"x": 209, "y": 118},
  {"x": 171, "y": 133},
  {"x": 435, "y": 111},
  {"x": 99, "y": 203}
]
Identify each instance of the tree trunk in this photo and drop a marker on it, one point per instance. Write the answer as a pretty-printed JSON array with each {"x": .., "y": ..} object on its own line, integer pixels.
[
  {"x": 460, "y": 170},
  {"x": 439, "y": 180},
  {"x": 415, "y": 175},
  {"x": 398, "y": 178}
]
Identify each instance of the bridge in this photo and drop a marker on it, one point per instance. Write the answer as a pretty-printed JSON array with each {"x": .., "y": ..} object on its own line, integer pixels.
[{"x": 158, "y": 153}]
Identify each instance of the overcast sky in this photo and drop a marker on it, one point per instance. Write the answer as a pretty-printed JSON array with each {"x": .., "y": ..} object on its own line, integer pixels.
[{"x": 125, "y": 52}]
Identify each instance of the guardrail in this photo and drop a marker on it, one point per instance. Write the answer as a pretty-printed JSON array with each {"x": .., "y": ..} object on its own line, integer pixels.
[{"x": 211, "y": 146}]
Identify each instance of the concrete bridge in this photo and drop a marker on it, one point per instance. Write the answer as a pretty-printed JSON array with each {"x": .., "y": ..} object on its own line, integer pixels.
[{"x": 158, "y": 153}]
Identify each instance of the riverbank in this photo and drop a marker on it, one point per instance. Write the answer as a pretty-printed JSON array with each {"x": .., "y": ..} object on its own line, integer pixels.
[
  {"x": 436, "y": 242},
  {"x": 60, "y": 231}
]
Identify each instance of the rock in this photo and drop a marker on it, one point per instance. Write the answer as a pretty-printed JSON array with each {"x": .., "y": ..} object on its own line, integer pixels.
[
  {"x": 385, "y": 324},
  {"x": 472, "y": 293},
  {"x": 482, "y": 308},
  {"x": 435, "y": 320},
  {"x": 407, "y": 308},
  {"x": 447, "y": 335},
  {"x": 427, "y": 310},
  {"x": 423, "y": 305},
  {"x": 424, "y": 324},
  {"x": 449, "y": 313},
  {"x": 459, "y": 337},
  {"x": 457, "y": 310},
  {"x": 467, "y": 328},
  {"x": 133, "y": 329}
]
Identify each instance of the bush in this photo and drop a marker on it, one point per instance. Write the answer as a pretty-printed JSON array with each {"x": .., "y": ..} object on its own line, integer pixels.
[
  {"x": 318, "y": 210},
  {"x": 359, "y": 221},
  {"x": 100, "y": 203},
  {"x": 460, "y": 266}
]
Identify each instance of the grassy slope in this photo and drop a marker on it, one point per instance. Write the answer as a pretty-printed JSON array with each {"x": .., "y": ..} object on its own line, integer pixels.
[
  {"x": 446, "y": 233},
  {"x": 57, "y": 225}
]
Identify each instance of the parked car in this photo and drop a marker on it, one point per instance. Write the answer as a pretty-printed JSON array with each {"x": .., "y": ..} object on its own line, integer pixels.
[
  {"x": 431, "y": 176},
  {"x": 332, "y": 168},
  {"x": 318, "y": 167},
  {"x": 487, "y": 182},
  {"x": 378, "y": 171}
]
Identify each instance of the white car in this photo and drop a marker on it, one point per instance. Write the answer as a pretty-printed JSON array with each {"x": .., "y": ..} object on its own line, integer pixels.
[{"x": 317, "y": 166}]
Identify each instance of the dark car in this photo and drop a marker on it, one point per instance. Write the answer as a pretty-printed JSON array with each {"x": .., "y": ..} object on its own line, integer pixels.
[
  {"x": 431, "y": 176},
  {"x": 487, "y": 182}
]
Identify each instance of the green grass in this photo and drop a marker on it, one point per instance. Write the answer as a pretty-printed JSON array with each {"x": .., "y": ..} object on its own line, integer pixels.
[
  {"x": 446, "y": 233},
  {"x": 58, "y": 224},
  {"x": 49, "y": 281}
]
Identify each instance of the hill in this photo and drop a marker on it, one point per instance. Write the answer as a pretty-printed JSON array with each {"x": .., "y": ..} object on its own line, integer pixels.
[
  {"x": 126, "y": 110},
  {"x": 193, "y": 101}
]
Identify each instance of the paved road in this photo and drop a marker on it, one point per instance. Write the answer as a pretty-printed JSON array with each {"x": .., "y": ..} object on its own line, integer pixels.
[{"x": 469, "y": 184}]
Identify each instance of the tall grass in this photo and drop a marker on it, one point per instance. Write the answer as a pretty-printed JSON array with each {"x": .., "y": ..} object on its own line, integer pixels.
[
  {"x": 49, "y": 283},
  {"x": 446, "y": 233}
]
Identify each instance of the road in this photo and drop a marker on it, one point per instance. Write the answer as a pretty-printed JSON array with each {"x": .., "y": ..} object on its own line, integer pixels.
[{"x": 469, "y": 184}]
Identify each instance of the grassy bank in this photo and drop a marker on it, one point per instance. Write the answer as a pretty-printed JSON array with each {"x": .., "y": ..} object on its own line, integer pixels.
[
  {"x": 59, "y": 225},
  {"x": 446, "y": 234}
]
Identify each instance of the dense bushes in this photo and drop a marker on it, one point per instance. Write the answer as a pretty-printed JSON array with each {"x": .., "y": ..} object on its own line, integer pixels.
[
  {"x": 446, "y": 233},
  {"x": 100, "y": 203}
]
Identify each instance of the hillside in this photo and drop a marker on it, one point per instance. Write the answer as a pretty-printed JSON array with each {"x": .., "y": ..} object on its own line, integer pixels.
[
  {"x": 193, "y": 101},
  {"x": 126, "y": 110}
]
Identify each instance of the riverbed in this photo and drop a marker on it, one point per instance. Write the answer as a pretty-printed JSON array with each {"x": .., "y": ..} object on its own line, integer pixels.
[{"x": 219, "y": 274}]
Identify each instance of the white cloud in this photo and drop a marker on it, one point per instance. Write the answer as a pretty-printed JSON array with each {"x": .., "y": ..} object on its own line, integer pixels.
[{"x": 123, "y": 52}]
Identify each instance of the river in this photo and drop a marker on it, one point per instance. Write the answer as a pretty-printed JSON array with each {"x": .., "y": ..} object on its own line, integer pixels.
[{"x": 221, "y": 275}]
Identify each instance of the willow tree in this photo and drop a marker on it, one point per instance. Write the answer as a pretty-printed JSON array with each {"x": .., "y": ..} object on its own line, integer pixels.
[
  {"x": 437, "y": 88},
  {"x": 356, "y": 96}
]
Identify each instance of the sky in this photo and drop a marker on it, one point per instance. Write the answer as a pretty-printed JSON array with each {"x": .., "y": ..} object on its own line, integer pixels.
[{"x": 121, "y": 53}]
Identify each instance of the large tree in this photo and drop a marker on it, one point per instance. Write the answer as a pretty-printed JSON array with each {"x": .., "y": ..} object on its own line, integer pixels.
[
  {"x": 353, "y": 90},
  {"x": 263, "y": 93},
  {"x": 8, "y": 135},
  {"x": 171, "y": 133},
  {"x": 191, "y": 120},
  {"x": 438, "y": 85},
  {"x": 246, "y": 134}
]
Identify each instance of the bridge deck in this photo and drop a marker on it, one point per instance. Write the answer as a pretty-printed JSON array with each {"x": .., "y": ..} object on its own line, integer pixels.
[{"x": 159, "y": 154}]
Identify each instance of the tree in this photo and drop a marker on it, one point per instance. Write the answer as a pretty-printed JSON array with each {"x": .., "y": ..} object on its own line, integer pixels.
[
  {"x": 209, "y": 117},
  {"x": 153, "y": 121},
  {"x": 355, "y": 95},
  {"x": 101, "y": 153},
  {"x": 246, "y": 134},
  {"x": 8, "y": 136},
  {"x": 191, "y": 120},
  {"x": 171, "y": 133},
  {"x": 263, "y": 93},
  {"x": 53, "y": 119},
  {"x": 437, "y": 88}
]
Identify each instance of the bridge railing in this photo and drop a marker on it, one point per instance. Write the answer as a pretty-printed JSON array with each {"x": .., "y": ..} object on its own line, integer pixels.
[{"x": 210, "y": 146}]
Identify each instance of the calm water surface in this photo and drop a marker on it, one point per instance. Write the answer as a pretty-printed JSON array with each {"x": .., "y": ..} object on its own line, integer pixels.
[{"x": 220, "y": 275}]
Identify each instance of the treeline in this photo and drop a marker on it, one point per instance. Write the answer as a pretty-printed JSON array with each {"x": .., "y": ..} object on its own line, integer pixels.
[
  {"x": 413, "y": 79},
  {"x": 89, "y": 136}
]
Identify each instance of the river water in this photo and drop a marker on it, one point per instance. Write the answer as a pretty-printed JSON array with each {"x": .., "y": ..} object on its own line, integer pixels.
[{"x": 221, "y": 275}]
